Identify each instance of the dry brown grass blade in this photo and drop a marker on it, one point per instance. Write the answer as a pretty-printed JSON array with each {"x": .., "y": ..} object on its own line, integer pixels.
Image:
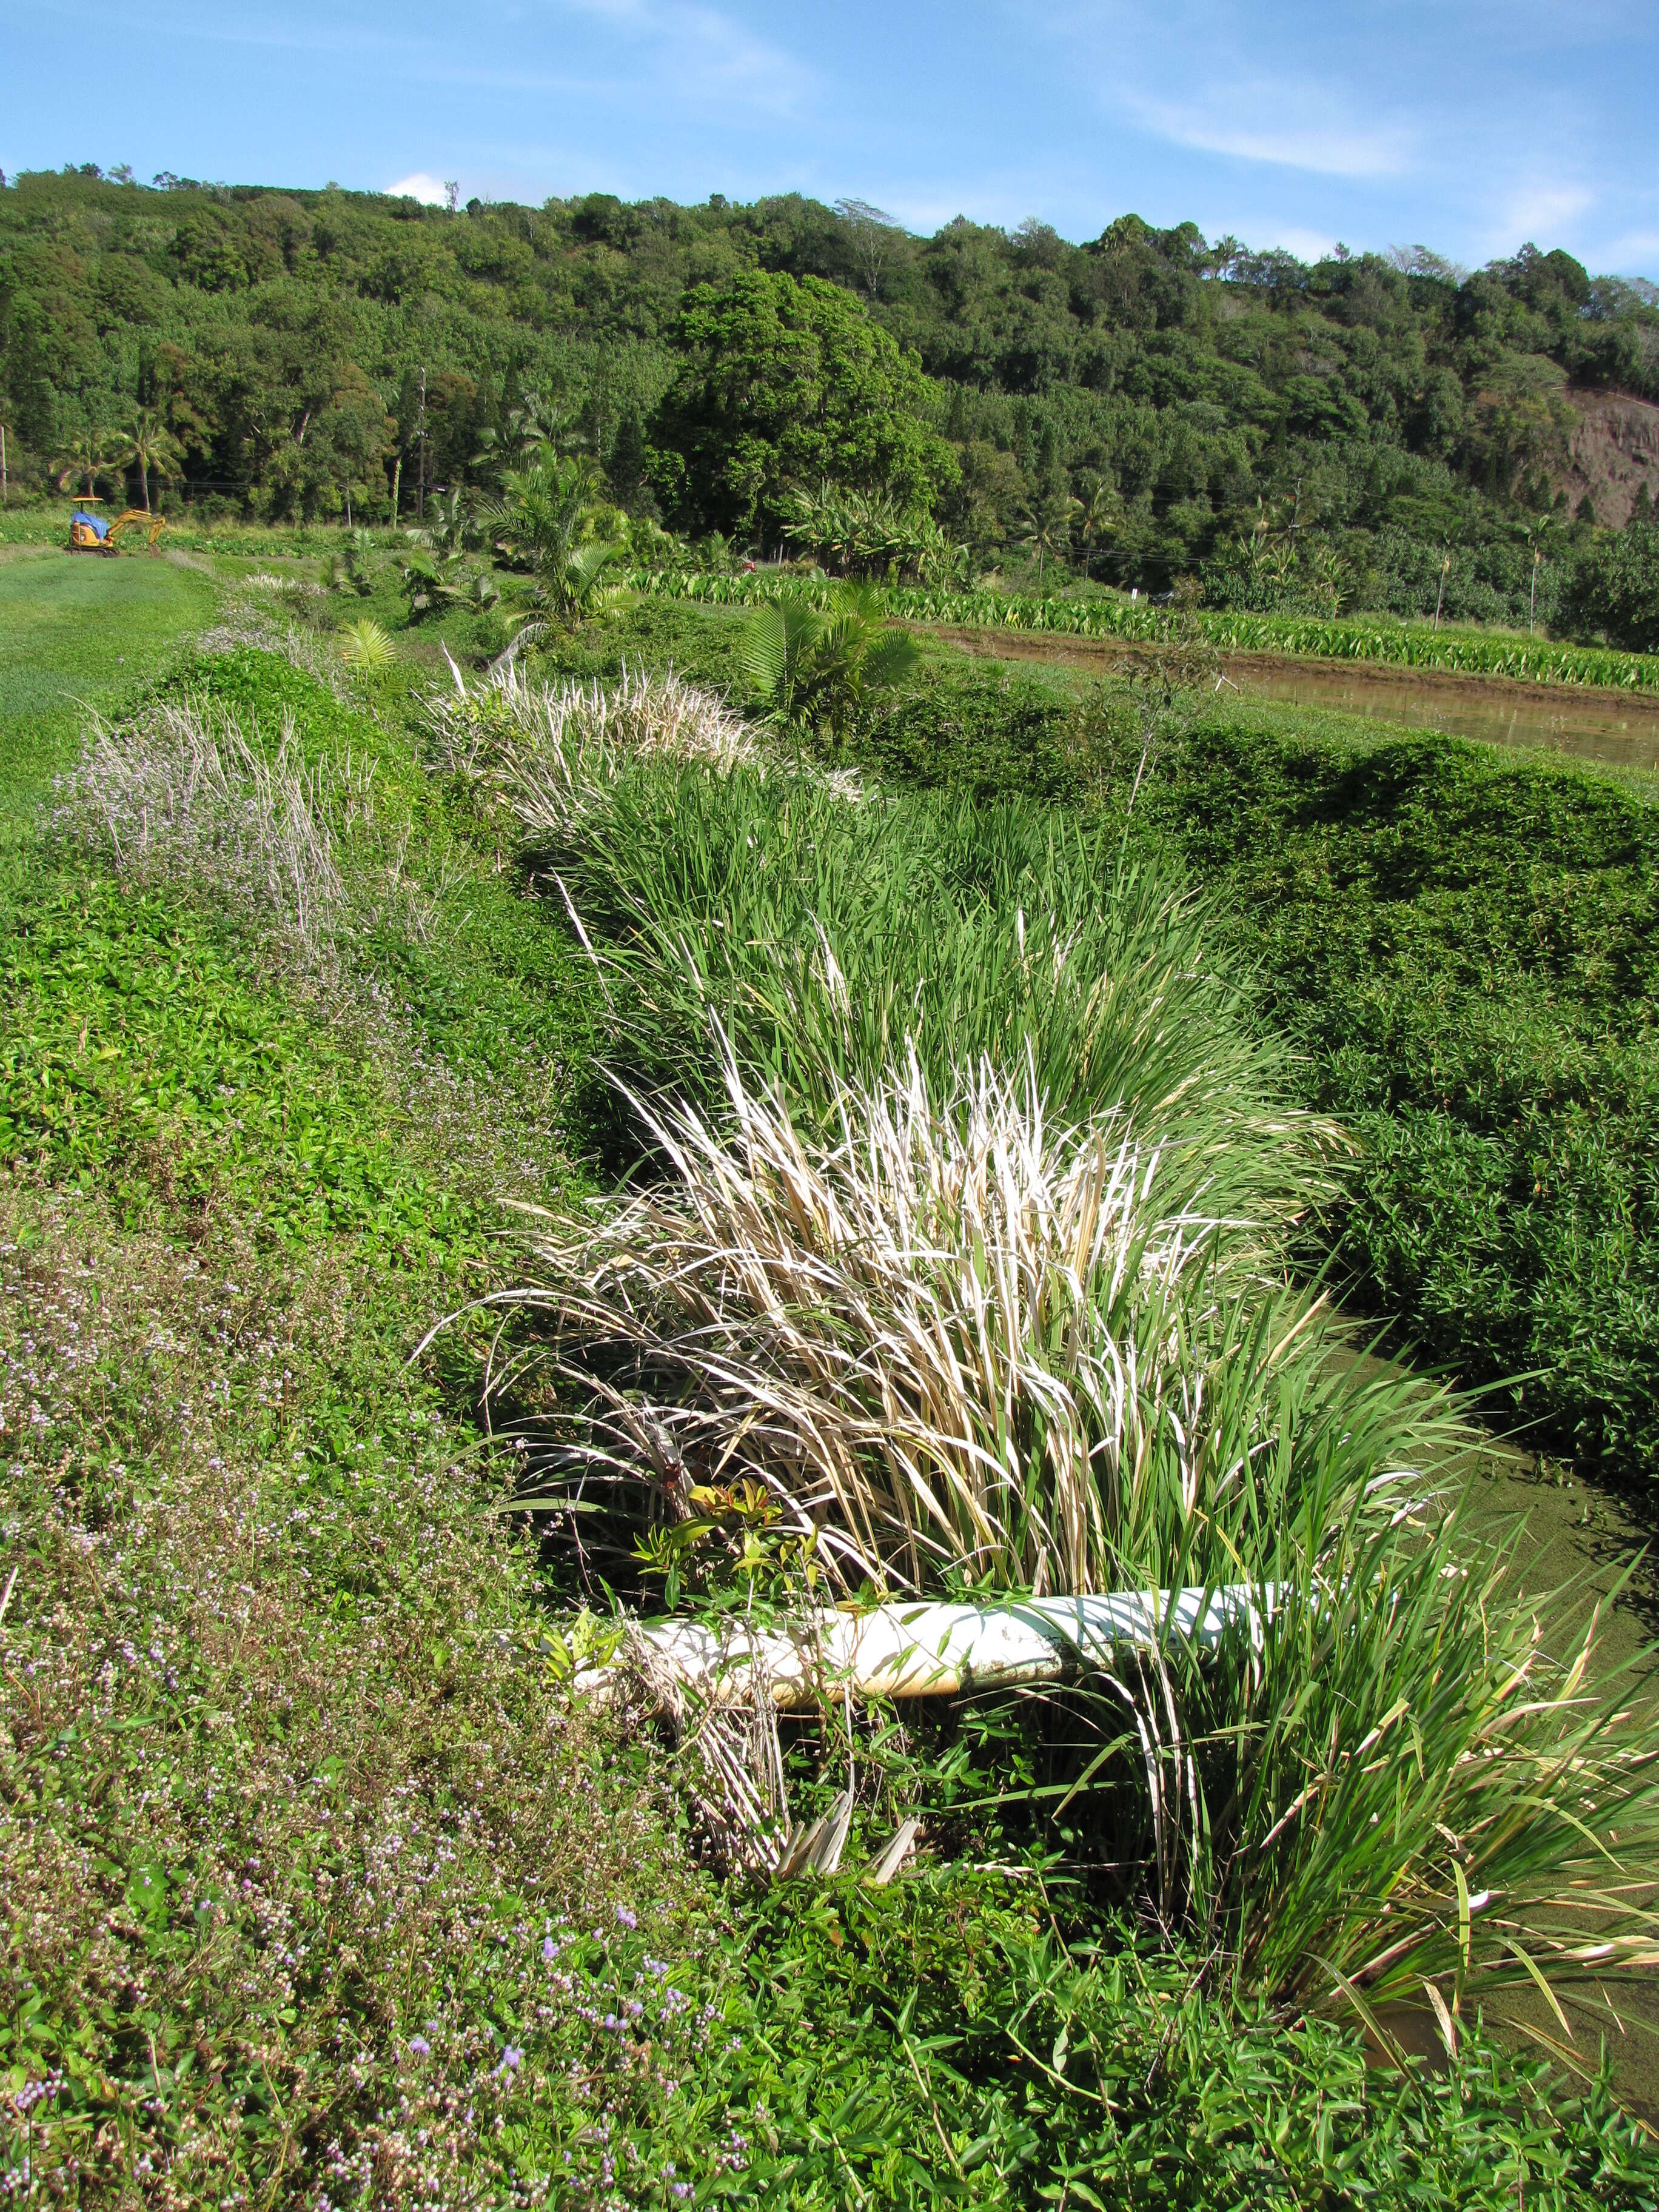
[{"x": 956, "y": 1335}]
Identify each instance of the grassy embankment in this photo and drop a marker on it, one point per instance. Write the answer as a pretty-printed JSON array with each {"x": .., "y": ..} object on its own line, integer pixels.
[
  {"x": 318, "y": 1889},
  {"x": 1460, "y": 944},
  {"x": 1458, "y": 940}
]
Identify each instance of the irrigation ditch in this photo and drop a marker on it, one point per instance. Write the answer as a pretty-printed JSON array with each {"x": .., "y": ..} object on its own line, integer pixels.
[{"x": 965, "y": 1265}]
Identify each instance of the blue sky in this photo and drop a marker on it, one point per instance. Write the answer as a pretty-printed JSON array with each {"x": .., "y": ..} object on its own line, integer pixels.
[{"x": 1466, "y": 125}]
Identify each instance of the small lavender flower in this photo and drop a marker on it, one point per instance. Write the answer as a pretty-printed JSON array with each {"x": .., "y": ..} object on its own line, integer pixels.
[
  {"x": 549, "y": 1950},
  {"x": 627, "y": 1919},
  {"x": 419, "y": 2046}
]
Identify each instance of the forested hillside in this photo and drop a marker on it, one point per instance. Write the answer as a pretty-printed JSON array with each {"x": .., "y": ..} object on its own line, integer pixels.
[{"x": 1129, "y": 408}]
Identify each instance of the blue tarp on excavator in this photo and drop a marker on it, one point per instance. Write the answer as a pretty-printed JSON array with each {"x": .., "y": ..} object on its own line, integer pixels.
[{"x": 99, "y": 528}]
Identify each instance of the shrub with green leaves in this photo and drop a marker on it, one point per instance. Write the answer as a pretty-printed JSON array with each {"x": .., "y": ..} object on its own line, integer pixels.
[
  {"x": 1613, "y": 592},
  {"x": 1463, "y": 946}
]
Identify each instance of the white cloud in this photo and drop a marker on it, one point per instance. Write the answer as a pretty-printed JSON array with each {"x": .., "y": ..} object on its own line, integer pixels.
[
  {"x": 1292, "y": 127},
  {"x": 431, "y": 191},
  {"x": 1306, "y": 244},
  {"x": 707, "y": 53},
  {"x": 1635, "y": 246},
  {"x": 1545, "y": 207}
]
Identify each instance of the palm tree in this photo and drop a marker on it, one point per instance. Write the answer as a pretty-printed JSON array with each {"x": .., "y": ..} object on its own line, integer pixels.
[
  {"x": 88, "y": 453},
  {"x": 1539, "y": 537},
  {"x": 148, "y": 444},
  {"x": 538, "y": 424},
  {"x": 1098, "y": 514},
  {"x": 582, "y": 584},
  {"x": 1050, "y": 533},
  {"x": 818, "y": 669},
  {"x": 551, "y": 520}
]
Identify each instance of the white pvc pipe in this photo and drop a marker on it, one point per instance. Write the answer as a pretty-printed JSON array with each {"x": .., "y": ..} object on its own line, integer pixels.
[{"x": 930, "y": 1650}]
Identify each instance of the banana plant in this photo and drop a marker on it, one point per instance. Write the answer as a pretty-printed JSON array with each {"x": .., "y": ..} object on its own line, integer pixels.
[{"x": 868, "y": 533}]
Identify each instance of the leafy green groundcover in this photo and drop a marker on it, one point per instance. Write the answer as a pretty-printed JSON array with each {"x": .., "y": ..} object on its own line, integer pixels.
[
  {"x": 318, "y": 1891},
  {"x": 1466, "y": 948}
]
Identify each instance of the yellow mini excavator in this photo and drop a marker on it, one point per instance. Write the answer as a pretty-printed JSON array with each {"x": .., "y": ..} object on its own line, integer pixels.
[{"x": 90, "y": 534}]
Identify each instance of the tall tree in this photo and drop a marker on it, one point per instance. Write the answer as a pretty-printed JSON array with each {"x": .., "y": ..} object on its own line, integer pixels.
[
  {"x": 784, "y": 384},
  {"x": 147, "y": 445}
]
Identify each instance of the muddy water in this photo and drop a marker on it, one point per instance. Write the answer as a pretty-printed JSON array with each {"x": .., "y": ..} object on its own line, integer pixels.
[
  {"x": 1618, "y": 727},
  {"x": 1579, "y": 1533},
  {"x": 1615, "y": 726}
]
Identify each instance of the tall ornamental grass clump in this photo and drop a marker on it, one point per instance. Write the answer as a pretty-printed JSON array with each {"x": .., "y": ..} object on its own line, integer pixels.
[
  {"x": 958, "y": 1340},
  {"x": 183, "y": 793},
  {"x": 963, "y": 1249},
  {"x": 832, "y": 934}
]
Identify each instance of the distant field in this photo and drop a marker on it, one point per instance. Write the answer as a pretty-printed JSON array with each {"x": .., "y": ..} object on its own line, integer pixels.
[
  {"x": 1358, "y": 637},
  {"x": 75, "y": 634}
]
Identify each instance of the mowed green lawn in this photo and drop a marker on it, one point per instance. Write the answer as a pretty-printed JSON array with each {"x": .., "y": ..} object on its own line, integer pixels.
[{"x": 76, "y": 632}]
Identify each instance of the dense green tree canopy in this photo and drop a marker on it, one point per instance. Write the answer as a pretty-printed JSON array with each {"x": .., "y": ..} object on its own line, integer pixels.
[
  {"x": 783, "y": 383},
  {"x": 1173, "y": 388},
  {"x": 1615, "y": 589}
]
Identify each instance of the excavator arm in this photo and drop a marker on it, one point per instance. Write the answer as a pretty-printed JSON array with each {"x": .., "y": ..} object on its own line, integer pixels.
[{"x": 135, "y": 518}]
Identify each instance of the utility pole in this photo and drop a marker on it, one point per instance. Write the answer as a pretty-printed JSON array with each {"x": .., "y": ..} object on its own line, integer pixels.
[
  {"x": 1440, "y": 596},
  {"x": 3, "y": 489},
  {"x": 1532, "y": 597},
  {"x": 419, "y": 512}
]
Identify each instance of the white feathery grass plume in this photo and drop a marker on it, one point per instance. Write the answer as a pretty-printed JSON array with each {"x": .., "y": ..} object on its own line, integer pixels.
[
  {"x": 555, "y": 749},
  {"x": 955, "y": 1334},
  {"x": 180, "y": 791}
]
